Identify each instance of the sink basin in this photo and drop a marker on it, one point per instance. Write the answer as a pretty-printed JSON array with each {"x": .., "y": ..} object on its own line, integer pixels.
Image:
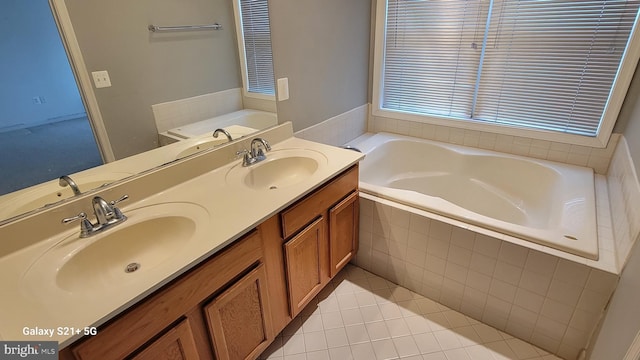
[
  {"x": 151, "y": 238},
  {"x": 281, "y": 169},
  {"x": 51, "y": 193}
]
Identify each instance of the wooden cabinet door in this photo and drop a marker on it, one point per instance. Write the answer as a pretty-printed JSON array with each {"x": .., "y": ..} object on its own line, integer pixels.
[
  {"x": 343, "y": 232},
  {"x": 306, "y": 265},
  {"x": 239, "y": 322},
  {"x": 177, "y": 344}
]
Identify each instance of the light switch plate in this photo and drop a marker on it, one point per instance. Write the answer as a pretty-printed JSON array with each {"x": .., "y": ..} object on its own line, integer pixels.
[
  {"x": 101, "y": 79},
  {"x": 283, "y": 89}
]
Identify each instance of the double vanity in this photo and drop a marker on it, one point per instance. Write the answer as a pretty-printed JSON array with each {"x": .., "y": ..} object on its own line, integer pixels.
[{"x": 203, "y": 258}]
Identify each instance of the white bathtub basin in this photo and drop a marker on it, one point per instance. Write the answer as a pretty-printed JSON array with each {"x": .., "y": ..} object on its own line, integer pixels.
[{"x": 541, "y": 201}]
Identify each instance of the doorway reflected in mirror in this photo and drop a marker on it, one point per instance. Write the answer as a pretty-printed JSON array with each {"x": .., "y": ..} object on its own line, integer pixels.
[{"x": 44, "y": 129}]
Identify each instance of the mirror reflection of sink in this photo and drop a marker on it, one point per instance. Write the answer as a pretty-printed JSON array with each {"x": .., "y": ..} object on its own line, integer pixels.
[
  {"x": 151, "y": 238},
  {"x": 281, "y": 169},
  {"x": 51, "y": 193},
  {"x": 204, "y": 144},
  {"x": 208, "y": 141}
]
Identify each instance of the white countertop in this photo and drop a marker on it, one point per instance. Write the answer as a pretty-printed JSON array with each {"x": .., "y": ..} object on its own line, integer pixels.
[{"x": 232, "y": 209}]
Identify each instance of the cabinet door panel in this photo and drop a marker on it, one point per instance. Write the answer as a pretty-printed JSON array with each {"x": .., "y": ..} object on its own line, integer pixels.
[
  {"x": 238, "y": 319},
  {"x": 306, "y": 259},
  {"x": 176, "y": 344},
  {"x": 343, "y": 232}
]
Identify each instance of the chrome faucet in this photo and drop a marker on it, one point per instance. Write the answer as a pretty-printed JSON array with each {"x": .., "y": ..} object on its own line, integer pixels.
[
  {"x": 225, "y": 132},
  {"x": 256, "y": 154},
  {"x": 65, "y": 180},
  {"x": 107, "y": 215},
  {"x": 255, "y": 147}
]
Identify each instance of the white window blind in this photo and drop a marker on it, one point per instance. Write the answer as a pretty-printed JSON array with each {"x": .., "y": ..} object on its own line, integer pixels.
[
  {"x": 542, "y": 64},
  {"x": 257, "y": 46}
]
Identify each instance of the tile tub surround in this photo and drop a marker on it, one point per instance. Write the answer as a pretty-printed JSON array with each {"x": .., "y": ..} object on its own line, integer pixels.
[
  {"x": 546, "y": 300},
  {"x": 171, "y": 114},
  {"x": 339, "y": 129},
  {"x": 596, "y": 158},
  {"x": 361, "y": 316},
  {"x": 624, "y": 193}
]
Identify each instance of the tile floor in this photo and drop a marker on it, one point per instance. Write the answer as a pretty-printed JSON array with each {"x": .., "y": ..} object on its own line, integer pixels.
[{"x": 360, "y": 315}]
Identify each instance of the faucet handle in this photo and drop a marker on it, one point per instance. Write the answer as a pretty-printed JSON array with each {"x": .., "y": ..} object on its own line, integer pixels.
[
  {"x": 241, "y": 153},
  {"x": 122, "y": 198},
  {"x": 117, "y": 213},
  {"x": 81, "y": 216},
  {"x": 247, "y": 158},
  {"x": 86, "y": 227}
]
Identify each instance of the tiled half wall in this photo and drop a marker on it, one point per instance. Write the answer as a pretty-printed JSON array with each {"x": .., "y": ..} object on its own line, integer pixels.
[
  {"x": 624, "y": 194},
  {"x": 547, "y": 301},
  {"x": 339, "y": 129}
]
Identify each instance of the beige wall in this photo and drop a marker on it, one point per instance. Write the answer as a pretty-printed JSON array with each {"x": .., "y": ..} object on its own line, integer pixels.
[
  {"x": 322, "y": 46},
  {"x": 148, "y": 68}
]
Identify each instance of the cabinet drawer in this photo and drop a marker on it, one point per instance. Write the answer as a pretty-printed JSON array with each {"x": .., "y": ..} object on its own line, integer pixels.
[
  {"x": 303, "y": 212},
  {"x": 177, "y": 344}
]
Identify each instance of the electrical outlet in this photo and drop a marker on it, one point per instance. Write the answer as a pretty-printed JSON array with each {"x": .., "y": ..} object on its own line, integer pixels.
[
  {"x": 39, "y": 100},
  {"x": 101, "y": 79}
]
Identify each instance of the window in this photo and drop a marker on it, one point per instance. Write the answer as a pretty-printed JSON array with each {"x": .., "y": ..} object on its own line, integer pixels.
[
  {"x": 549, "y": 66},
  {"x": 254, "y": 42}
]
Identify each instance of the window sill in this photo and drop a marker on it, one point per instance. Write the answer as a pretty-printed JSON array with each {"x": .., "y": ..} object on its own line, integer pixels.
[{"x": 599, "y": 141}]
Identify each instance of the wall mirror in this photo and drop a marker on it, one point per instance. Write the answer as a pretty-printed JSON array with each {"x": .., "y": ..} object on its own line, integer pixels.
[{"x": 144, "y": 68}]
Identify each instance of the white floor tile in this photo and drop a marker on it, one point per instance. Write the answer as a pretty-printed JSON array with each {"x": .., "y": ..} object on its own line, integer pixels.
[
  {"x": 371, "y": 313},
  {"x": 360, "y": 316},
  {"x": 318, "y": 355},
  {"x": 341, "y": 353},
  {"x": 417, "y": 324},
  {"x": 435, "y": 356},
  {"x": 312, "y": 323},
  {"x": 384, "y": 349},
  {"x": 332, "y": 320},
  {"x": 397, "y": 327},
  {"x": 365, "y": 298},
  {"x": 347, "y": 301},
  {"x": 314, "y": 341},
  {"x": 357, "y": 334},
  {"x": 479, "y": 352},
  {"x": 302, "y": 356},
  {"x": 390, "y": 311},
  {"x": 457, "y": 354},
  {"x": 468, "y": 336},
  {"x": 293, "y": 344},
  {"x": 447, "y": 339},
  {"x": 378, "y": 330},
  {"x": 406, "y": 346},
  {"x": 363, "y": 351},
  {"x": 352, "y": 316},
  {"x": 427, "y": 343},
  {"x": 336, "y": 337}
]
